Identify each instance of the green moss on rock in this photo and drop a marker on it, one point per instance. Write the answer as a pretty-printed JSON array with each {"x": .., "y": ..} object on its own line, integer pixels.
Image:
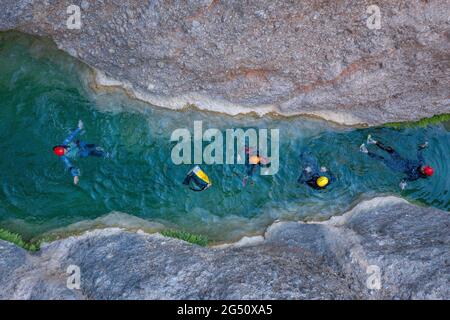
[
  {"x": 18, "y": 241},
  {"x": 420, "y": 123},
  {"x": 186, "y": 236}
]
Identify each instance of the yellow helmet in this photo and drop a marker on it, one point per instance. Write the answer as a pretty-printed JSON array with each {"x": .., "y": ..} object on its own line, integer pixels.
[{"x": 322, "y": 181}]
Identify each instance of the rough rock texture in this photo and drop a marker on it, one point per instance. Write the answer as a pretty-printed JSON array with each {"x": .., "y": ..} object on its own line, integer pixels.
[
  {"x": 293, "y": 57},
  {"x": 409, "y": 244}
]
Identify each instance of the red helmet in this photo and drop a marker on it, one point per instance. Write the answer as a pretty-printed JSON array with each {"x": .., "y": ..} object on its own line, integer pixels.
[
  {"x": 428, "y": 171},
  {"x": 59, "y": 150}
]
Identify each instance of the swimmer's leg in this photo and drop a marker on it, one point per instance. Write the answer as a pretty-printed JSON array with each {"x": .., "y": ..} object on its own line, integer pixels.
[
  {"x": 376, "y": 156},
  {"x": 94, "y": 151},
  {"x": 385, "y": 148},
  {"x": 391, "y": 163},
  {"x": 380, "y": 145},
  {"x": 395, "y": 156},
  {"x": 97, "y": 153},
  {"x": 250, "y": 169},
  {"x": 244, "y": 181},
  {"x": 393, "y": 160}
]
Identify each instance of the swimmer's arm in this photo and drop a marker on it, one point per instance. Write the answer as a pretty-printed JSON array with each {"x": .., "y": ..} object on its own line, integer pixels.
[
  {"x": 74, "y": 171},
  {"x": 73, "y": 134},
  {"x": 304, "y": 177},
  {"x": 420, "y": 151},
  {"x": 66, "y": 162},
  {"x": 188, "y": 178},
  {"x": 405, "y": 181},
  {"x": 331, "y": 176},
  {"x": 403, "y": 184}
]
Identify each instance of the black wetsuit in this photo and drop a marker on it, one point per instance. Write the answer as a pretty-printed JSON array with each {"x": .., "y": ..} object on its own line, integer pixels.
[
  {"x": 194, "y": 182},
  {"x": 411, "y": 168},
  {"x": 310, "y": 177},
  {"x": 78, "y": 149}
]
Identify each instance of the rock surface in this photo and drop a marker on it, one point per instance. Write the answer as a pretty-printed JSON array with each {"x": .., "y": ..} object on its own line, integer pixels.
[
  {"x": 409, "y": 244},
  {"x": 292, "y": 57}
]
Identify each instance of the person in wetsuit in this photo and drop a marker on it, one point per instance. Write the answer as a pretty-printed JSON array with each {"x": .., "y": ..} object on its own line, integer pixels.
[
  {"x": 197, "y": 180},
  {"x": 312, "y": 175},
  {"x": 413, "y": 169},
  {"x": 252, "y": 162},
  {"x": 70, "y": 149}
]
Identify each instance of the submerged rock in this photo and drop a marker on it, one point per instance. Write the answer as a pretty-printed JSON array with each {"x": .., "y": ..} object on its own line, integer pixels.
[
  {"x": 291, "y": 57},
  {"x": 336, "y": 259}
]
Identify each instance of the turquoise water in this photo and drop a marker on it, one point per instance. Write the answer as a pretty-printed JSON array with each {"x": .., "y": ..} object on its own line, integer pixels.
[{"x": 43, "y": 94}]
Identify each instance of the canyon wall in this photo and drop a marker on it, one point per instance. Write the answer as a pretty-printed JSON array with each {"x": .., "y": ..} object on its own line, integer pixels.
[
  {"x": 384, "y": 248},
  {"x": 312, "y": 57}
]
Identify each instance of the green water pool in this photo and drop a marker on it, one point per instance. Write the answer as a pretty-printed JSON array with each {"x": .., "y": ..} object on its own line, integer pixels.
[{"x": 43, "y": 93}]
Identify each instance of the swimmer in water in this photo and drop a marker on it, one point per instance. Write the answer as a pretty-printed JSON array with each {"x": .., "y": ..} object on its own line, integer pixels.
[
  {"x": 412, "y": 169},
  {"x": 78, "y": 149},
  {"x": 312, "y": 175},
  {"x": 252, "y": 162},
  {"x": 197, "y": 179}
]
